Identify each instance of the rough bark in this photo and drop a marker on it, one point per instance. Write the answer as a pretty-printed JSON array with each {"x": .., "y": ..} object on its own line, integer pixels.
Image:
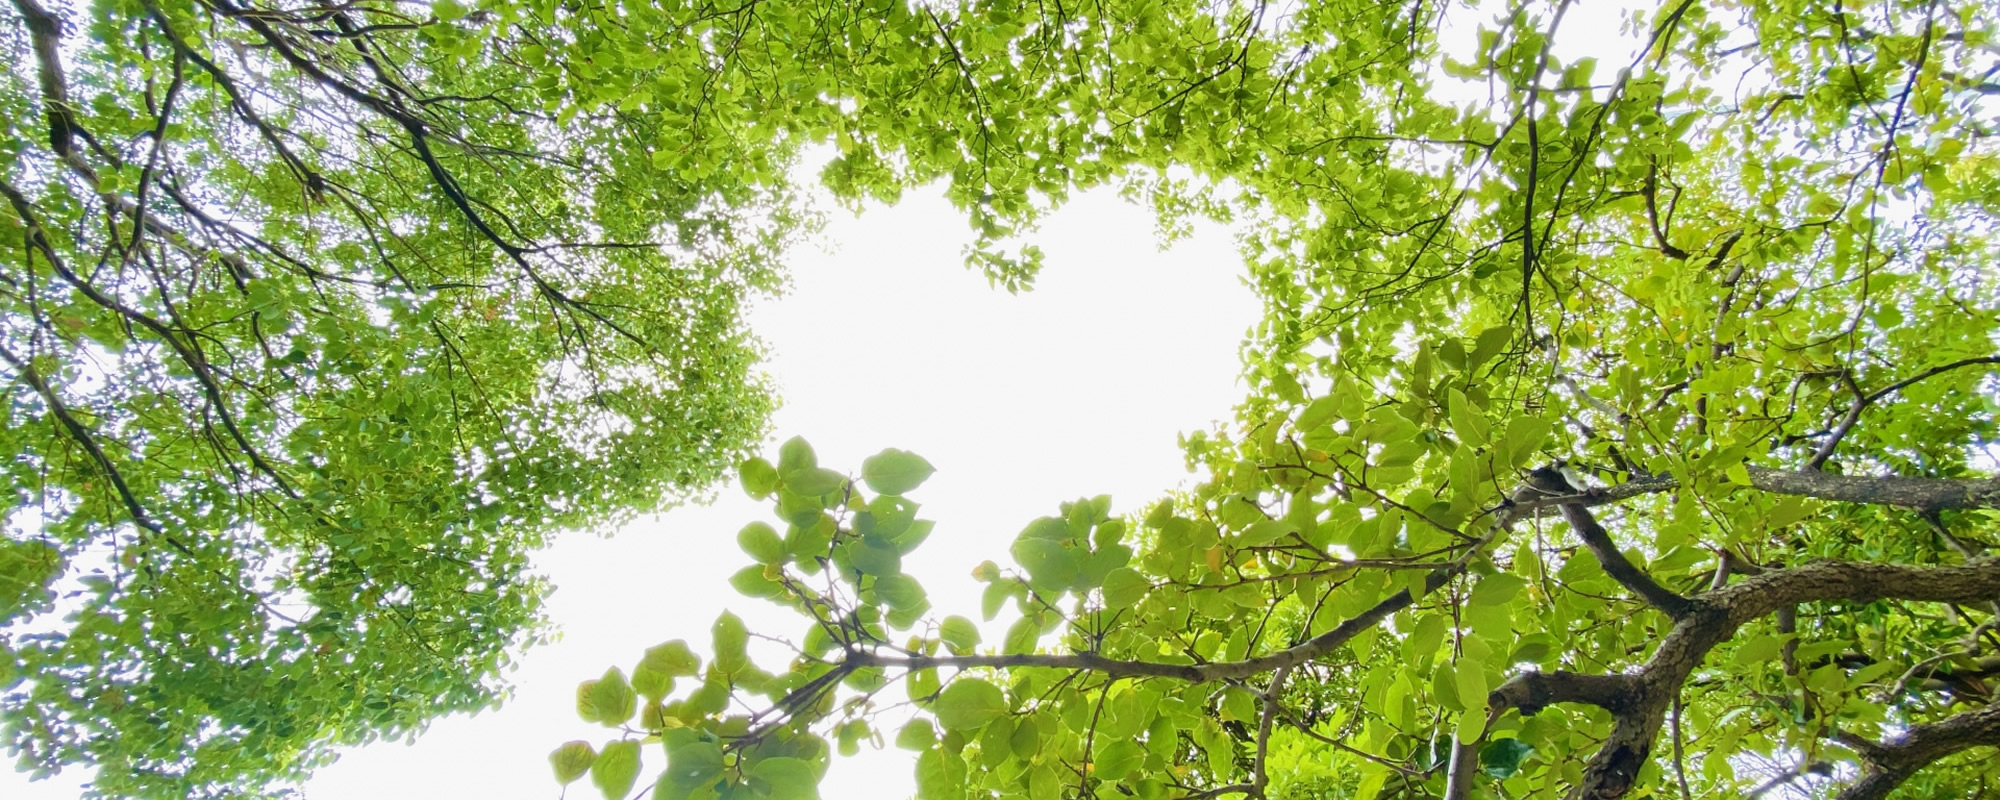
[{"x": 1715, "y": 617}]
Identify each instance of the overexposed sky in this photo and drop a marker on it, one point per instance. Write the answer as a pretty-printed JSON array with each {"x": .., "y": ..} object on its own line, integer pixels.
[{"x": 1021, "y": 402}]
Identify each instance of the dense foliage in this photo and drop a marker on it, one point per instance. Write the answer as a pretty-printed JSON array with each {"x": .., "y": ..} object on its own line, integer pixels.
[
  {"x": 1742, "y": 282},
  {"x": 317, "y": 318}
]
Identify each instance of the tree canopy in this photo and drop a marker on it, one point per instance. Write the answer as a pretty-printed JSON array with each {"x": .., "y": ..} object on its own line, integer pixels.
[
  {"x": 320, "y": 317},
  {"x": 1622, "y": 433}
]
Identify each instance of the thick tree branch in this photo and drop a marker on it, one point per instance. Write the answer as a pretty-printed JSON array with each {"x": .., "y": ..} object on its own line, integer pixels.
[
  {"x": 1857, "y": 582},
  {"x": 1532, "y": 691},
  {"x": 1620, "y": 568},
  {"x": 1717, "y": 615},
  {"x": 1891, "y": 763},
  {"x": 46, "y": 32},
  {"x": 1922, "y": 494}
]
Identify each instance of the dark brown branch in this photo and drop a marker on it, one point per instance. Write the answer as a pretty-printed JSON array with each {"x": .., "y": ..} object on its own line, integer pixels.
[
  {"x": 1863, "y": 401},
  {"x": 83, "y": 437},
  {"x": 1651, "y": 193},
  {"x": 1922, "y": 494},
  {"x": 185, "y": 348},
  {"x": 1891, "y": 763},
  {"x": 1717, "y": 615},
  {"x": 1621, "y": 569},
  {"x": 45, "y": 29},
  {"x": 1532, "y": 691},
  {"x": 420, "y": 145}
]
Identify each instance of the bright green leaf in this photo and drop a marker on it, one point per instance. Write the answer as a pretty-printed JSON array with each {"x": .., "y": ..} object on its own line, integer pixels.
[
  {"x": 616, "y": 769},
  {"x": 967, "y": 704},
  {"x": 895, "y": 472}
]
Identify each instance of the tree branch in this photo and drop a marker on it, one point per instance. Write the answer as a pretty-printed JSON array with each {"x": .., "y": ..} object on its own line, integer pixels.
[
  {"x": 1621, "y": 569},
  {"x": 1717, "y": 615},
  {"x": 1863, "y": 401},
  {"x": 1891, "y": 763},
  {"x": 1922, "y": 494},
  {"x": 1533, "y": 691},
  {"x": 1193, "y": 673},
  {"x": 46, "y": 32}
]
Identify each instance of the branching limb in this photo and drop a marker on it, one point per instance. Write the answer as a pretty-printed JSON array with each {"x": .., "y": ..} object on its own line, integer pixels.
[
  {"x": 1717, "y": 615},
  {"x": 1863, "y": 401},
  {"x": 1193, "y": 673},
  {"x": 1622, "y": 569},
  {"x": 1532, "y": 691},
  {"x": 1606, "y": 551},
  {"x": 1259, "y": 777},
  {"x": 1891, "y": 763}
]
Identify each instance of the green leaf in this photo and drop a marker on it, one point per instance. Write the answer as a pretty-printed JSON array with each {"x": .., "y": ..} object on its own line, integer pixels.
[
  {"x": 1051, "y": 565},
  {"x": 919, "y": 684},
  {"x": 849, "y": 735},
  {"x": 1124, "y": 587},
  {"x": 1266, "y": 532},
  {"x": 1738, "y": 474},
  {"x": 895, "y": 472},
  {"x": 873, "y": 555},
  {"x": 814, "y": 482},
  {"x": 1022, "y": 637},
  {"x": 759, "y": 478},
  {"x": 1471, "y": 683},
  {"x": 756, "y": 581},
  {"x": 692, "y": 758},
  {"x": 959, "y": 634},
  {"x": 917, "y": 735},
  {"x": 1524, "y": 437},
  {"x": 994, "y": 596},
  {"x": 1238, "y": 705},
  {"x": 731, "y": 637},
  {"x": 586, "y": 701},
  {"x": 1119, "y": 759},
  {"x": 900, "y": 591},
  {"x": 1491, "y": 341},
  {"x": 1759, "y": 649},
  {"x": 1496, "y": 589},
  {"x": 1467, "y": 422},
  {"x": 967, "y": 704},
  {"x": 796, "y": 456},
  {"x": 1426, "y": 637},
  {"x": 1471, "y": 724},
  {"x": 673, "y": 658},
  {"x": 612, "y": 698},
  {"x": 1501, "y": 758},
  {"x": 784, "y": 778},
  {"x": 616, "y": 769},
  {"x": 1318, "y": 414},
  {"x": 761, "y": 542},
  {"x": 940, "y": 776},
  {"x": 571, "y": 760}
]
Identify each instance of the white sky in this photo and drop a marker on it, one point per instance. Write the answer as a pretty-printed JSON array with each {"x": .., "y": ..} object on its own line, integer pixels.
[{"x": 1022, "y": 402}]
